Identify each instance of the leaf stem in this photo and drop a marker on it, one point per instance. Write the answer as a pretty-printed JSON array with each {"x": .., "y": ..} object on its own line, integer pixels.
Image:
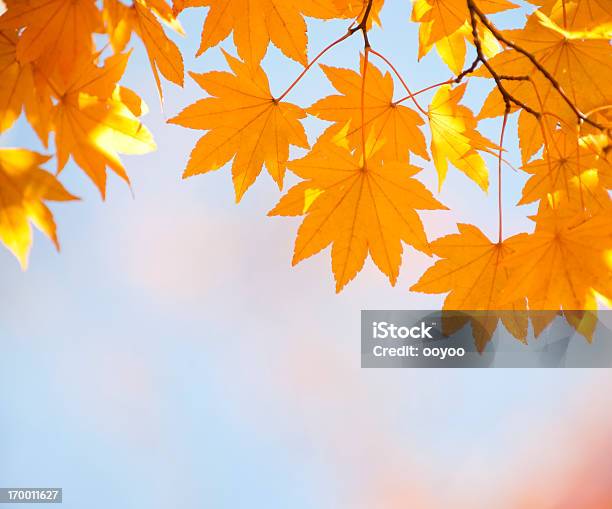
[
  {"x": 363, "y": 90},
  {"x": 312, "y": 62},
  {"x": 399, "y": 76},
  {"x": 499, "y": 173},
  {"x": 410, "y": 96}
]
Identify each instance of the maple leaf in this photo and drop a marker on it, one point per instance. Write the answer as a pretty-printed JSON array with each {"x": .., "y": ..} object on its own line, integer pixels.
[
  {"x": 586, "y": 16},
  {"x": 454, "y": 137},
  {"x": 19, "y": 90},
  {"x": 358, "y": 208},
  {"x": 141, "y": 18},
  {"x": 24, "y": 189},
  {"x": 16, "y": 81},
  {"x": 568, "y": 166},
  {"x": 565, "y": 264},
  {"x": 393, "y": 126},
  {"x": 357, "y": 9},
  {"x": 445, "y": 24},
  {"x": 58, "y": 30},
  {"x": 93, "y": 124},
  {"x": 452, "y": 48},
  {"x": 256, "y": 23},
  {"x": 576, "y": 64},
  {"x": 244, "y": 123},
  {"x": 472, "y": 271}
]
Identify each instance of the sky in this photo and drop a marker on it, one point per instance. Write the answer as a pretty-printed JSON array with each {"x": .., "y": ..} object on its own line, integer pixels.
[{"x": 170, "y": 356}]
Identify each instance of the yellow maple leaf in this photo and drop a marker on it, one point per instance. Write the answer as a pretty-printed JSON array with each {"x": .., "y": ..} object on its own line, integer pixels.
[
  {"x": 394, "y": 127},
  {"x": 358, "y": 208},
  {"x": 471, "y": 271},
  {"x": 446, "y": 24},
  {"x": 452, "y": 48},
  {"x": 454, "y": 137},
  {"x": 58, "y": 30},
  {"x": 24, "y": 189},
  {"x": 141, "y": 18},
  {"x": 93, "y": 124},
  {"x": 244, "y": 123},
  {"x": 565, "y": 264}
]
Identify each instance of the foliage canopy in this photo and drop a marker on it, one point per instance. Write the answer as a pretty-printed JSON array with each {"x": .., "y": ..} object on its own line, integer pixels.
[{"x": 357, "y": 192}]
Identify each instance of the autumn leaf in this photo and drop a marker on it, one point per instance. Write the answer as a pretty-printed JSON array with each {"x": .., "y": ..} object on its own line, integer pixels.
[
  {"x": 565, "y": 264},
  {"x": 586, "y": 16},
  {"x": 94, "y": 121},
  {"x": 16, "y": 84},
  {"x": 178, "y": 6},
  {"x": 394, "y": 127},
  {"x": 471, "y": 270},
  {"x": 256, "y": 23},
  {"x": 244, "y": 123},
  {"x": 24, "y": 189},
  {"x": 359, "y": 208},
  {"x": 357, "y": 9},
  {"x": 575, "y": 64},
  {"x": 142, "y": 18},
  {"x": 59, "y": 31},
  {"x": 19, "y": 90},
  {"x": 446, "y": 24},
  {"x": 570, "y": 167},
  {"x": 454, "y": 137}
]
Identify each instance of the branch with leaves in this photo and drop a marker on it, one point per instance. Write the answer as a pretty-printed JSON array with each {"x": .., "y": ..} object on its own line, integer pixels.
[{"x": 357, "y": 191}]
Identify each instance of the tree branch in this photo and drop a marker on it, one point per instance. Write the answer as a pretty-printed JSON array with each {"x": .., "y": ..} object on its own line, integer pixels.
[{"x": 476, "y": 12}]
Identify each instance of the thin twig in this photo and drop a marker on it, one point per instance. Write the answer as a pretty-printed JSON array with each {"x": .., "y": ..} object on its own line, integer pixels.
[
  {"x": 476, "y": 12},
  {"x": 507, "y": 97}
]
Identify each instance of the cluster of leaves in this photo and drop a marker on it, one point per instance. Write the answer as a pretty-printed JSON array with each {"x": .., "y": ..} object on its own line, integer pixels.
[{"x": 357, "y": 190}]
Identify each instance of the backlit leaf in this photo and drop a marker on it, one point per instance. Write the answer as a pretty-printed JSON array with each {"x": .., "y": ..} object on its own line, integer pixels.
[{"x": 244, "y": 123}]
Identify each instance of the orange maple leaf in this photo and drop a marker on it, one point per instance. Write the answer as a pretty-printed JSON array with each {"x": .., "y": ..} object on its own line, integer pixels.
[
  {"x": 24, "y": 187},
  {"x": 58, "y": 30},
  {"x": 359, "y": 208},
  {"x": 19, "y": 90},
  {"x": 565, "y": 264},
  {"x": 94, "y": 120},
  {"x": 394, "y": 127},
  {"x": 570, "y": 168},
  {"x": 256, "y": 23},
  {"x": 594, "y": 16},
  {"x": 142, "y": 18},
  {"x": 471, "y": 270},
  {"x": 244, "y": 123},
  {"x": 579, "y": 66},
  {"x": 357, "y": 9}
]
